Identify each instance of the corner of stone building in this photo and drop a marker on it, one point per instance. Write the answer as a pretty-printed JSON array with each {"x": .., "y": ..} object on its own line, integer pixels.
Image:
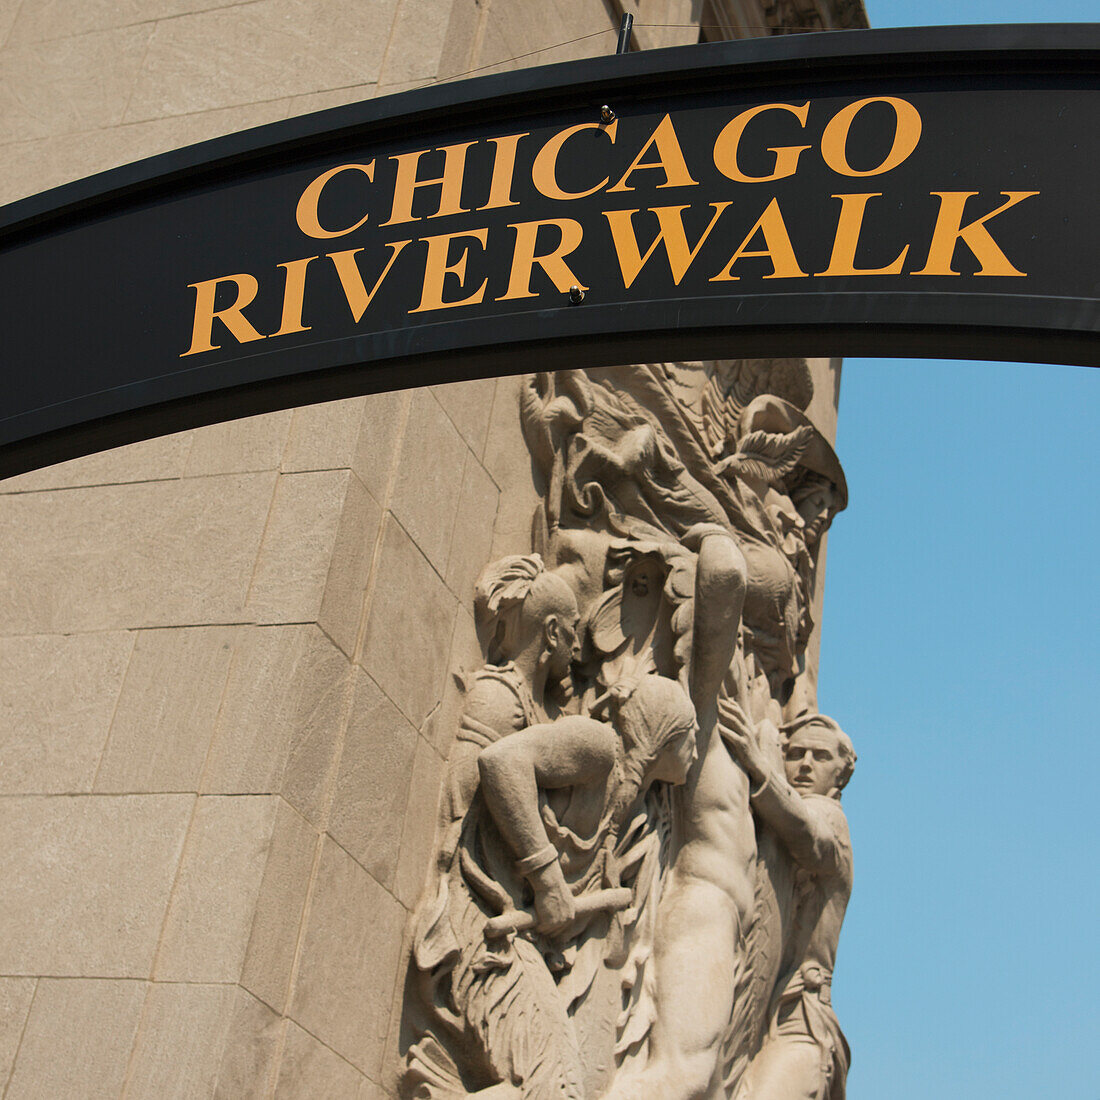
[{"x": 226, "y": 656}]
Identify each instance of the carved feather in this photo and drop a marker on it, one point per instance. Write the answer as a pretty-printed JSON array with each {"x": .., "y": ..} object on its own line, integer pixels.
[
  {"x": 715, "y": 418},
  {"x": 771, "y": 456},
  {"x": 643, "y": 855},
  {"x": 521, "y": 1021},
  {"x": 605, "y": 623},
  {"x": 505, "y": 583},
  {"x": 532, "y": 402}
]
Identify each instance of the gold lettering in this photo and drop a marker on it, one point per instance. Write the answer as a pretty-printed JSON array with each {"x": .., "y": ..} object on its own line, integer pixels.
[
  {"x": 834, "y": 139},
  {"x": 544, "y": 172},
  {"x": 294, "y": 296},
  {"x": 777, "y": 248},
  {"x": 846, "y": 241},
  {"x": 351, "y": 278},
  {"x": 950, "y": 230},
  {"x": 306, "y": 213},
  {"x": 436, "y": 270},
  {"x": 552, "y": 263},
  {"x": 671, "y": 233},
  {"x": 729, "y": 140},
  {"x": 202, "y": 335},
  {"x": 504, "y": 167},
  {"x": 670, "y": 159},
  {"x": 450, "y": 183}
]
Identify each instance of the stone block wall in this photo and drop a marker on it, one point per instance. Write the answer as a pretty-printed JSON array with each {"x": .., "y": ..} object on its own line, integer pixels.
[
  {"x": 221, "y": 660},
  {"x": 225, "y": 655}
]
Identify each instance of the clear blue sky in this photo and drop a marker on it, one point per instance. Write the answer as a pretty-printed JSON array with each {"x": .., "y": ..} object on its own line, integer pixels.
[{"x": 960, "y": 649}]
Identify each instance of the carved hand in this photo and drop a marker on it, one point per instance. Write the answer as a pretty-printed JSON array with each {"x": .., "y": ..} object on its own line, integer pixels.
[
  {"x": 555, "y": 906},
  {"x": 693, "y": 537},
  {"x": 737, "y": 731}
]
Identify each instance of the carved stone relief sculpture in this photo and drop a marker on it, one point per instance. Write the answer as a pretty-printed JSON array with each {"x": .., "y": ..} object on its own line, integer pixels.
[{"x": 643, "y": 864}]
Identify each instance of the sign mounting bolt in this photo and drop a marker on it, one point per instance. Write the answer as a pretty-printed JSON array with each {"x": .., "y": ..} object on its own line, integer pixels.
[
  {"x": 576, "y": 295},
  {"x": 607, "y": 115}
]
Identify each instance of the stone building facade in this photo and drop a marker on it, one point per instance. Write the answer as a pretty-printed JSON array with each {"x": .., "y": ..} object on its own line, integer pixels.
[{"x": 226, "y": 656}]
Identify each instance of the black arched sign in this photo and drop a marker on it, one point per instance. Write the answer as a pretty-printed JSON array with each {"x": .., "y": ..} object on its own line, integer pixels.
[{"x": 915, "y": 192}]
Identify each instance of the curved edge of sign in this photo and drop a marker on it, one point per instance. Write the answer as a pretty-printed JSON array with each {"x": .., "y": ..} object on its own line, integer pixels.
[{"x": 658, "y": 337}]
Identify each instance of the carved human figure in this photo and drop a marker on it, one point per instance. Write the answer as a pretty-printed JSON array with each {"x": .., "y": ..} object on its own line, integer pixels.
[
  {"x": 709, "y": 891},
  {"x": 527, "y": 619},
  {"x": 624, "y": 455},
  {"x": 543, "y": 824},
  {"x": 787, "y": 486},
  {"x": 804, "y": 1055},
  {"x": 562, "y": 844},
  {"x": 710, "y": 896},
  {"x": 536, "y": 802}
]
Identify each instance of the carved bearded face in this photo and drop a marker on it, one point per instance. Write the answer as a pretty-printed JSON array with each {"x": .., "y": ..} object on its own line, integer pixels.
[{"x": 813, "y": 761}]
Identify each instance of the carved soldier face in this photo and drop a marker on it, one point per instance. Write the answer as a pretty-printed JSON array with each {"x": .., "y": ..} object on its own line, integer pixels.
[
  {"x": 815, "y": 508},
  {"x": 813, "y": 762}
]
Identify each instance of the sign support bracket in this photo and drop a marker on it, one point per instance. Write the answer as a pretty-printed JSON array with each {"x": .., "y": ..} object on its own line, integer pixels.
[{"x": 626, "y": 29}]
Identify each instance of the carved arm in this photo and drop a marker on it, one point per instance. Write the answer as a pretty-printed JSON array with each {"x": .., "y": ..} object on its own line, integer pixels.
[
  {"x": 802, "y": 823},
  {"x": 572, "y": 752},
  {"x": 807, "y": 826},
  {"x": 721, "y": 580}
]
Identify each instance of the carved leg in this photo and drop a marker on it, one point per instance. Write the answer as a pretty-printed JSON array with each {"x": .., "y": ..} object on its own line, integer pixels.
[
  {"x": 698, "y": 948},
  {"x": 696, "y": 970},
  {"x": 788, "y": 1067}
]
